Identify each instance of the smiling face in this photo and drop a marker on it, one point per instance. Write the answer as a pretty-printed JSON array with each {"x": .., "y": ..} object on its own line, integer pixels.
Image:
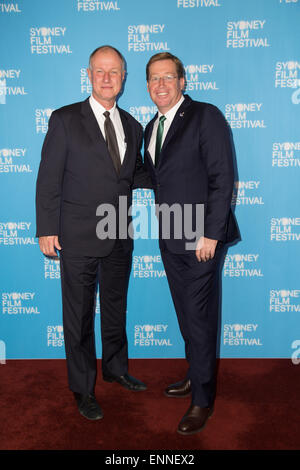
[
  {"x": 163, "y": 84},
  {"x": 106, "y": 75}
]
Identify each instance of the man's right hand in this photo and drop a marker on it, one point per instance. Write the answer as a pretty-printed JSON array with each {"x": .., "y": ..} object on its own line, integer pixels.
[{"x": 49, "y": 245}]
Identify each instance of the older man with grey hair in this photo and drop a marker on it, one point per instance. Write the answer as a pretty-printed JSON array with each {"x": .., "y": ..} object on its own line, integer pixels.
[{"x": 91, "y": 157}]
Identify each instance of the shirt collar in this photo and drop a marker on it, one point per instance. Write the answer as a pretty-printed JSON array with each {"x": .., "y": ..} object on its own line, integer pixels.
[
  {"x": 99, "y": 109},
  {"x": 171, "y": 113}
]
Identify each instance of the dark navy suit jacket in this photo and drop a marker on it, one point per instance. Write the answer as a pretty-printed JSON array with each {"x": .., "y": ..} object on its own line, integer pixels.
[
  {"x": 196, "y": 167},
  {"x": 77, "y": 174}
]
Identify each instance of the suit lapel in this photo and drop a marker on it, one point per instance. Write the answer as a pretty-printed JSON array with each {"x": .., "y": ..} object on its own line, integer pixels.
[
  {"x": 148, "y": 131},
  {"x": 90, "y": 123},
  {"x": 91, "y": 126},
  {"x": 128, "y": 137},
  {"x": 148, "y": 134},
  {"x": 178, "y": 121}
]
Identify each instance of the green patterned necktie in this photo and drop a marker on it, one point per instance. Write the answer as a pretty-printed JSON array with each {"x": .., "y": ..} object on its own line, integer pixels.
[{"x": 159, "y": 134}]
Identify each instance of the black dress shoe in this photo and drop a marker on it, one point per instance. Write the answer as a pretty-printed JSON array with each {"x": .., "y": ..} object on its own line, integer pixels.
[
  {"x": 126, "y": 381},
  {"x": 194, "y": 420},
  {"x": 179, "y": 390},
  {"x": 88, "y": 406}
]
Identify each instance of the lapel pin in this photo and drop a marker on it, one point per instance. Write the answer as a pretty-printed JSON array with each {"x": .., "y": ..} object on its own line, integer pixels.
[{"x": 181, "y": 114}]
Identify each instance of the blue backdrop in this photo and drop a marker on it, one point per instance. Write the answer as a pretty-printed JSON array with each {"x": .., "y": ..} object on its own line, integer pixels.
[{"x": 241, "y": 55}]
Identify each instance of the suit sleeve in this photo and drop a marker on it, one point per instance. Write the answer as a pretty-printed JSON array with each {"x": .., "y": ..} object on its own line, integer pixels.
[
  {"x": 141, "y": 176},
  {"x": 217, "y": 151},
  {"x": 50, "y": 178}
]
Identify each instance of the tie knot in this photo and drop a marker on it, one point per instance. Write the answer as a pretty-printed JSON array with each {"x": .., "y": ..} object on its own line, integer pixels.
[
  {"x": 106, "y": 114},
  {"x": 162, "y": 118}
]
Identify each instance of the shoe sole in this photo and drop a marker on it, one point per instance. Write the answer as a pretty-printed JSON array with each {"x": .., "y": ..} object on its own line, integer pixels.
[
  {"x": 108, "y": 379},
  {"x": 177, "y": 396},
  {"x": 197, "y": 430},
  {"x": 91, "y": 419}
]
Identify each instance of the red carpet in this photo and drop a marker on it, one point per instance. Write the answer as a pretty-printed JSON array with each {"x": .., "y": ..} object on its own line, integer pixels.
[{"x": 257, "y": 408}]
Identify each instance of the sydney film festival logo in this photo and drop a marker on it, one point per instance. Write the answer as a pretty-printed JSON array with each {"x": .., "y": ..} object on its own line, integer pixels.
[
  {"x": 16, "y": 234},
  {"x": 147, "y": 266},
  {"x": 143, "y": 114},
  {"x": 19, "y": 303},
  {"x": 285, "y": 300},
  {"x": 287, "y": 77},
  {"x": 49, "y": 40},
  {"x": 244, "y": 115},
  {"x": 197, "y": 3},
  {"x": 242, "y": 265},
  {"x": 246, "y": 33},
  {"x": 12, "y": 160},
  {"x": 285, "y": 229},
  {"x": 97, "y": 6},
  {"x": 42, "y": 117},
  {"x": 85, "y": 84},
  {"x": 151, "y": 335},
  {"x": 51, "y": 268},
  {"x": 10, "y": 84},
  {"x": 10, "y": 7},
  {"x": 143, "y": 197},
  {"x": 55, "y": 336},
  {"x": 247, "y": 193},
  {"x": 198, "y": 77},
  {"x": 286, "y": 154},
  {"x": 147, "y": 37},
  {"x": 241, "y": 335}
]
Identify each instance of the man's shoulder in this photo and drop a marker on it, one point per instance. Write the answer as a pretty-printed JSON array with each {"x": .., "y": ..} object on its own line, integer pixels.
[
  {"x": 206, "y": 112},
  {"x": 69, "y": 109},
  {"x": 202, "y": 106}
]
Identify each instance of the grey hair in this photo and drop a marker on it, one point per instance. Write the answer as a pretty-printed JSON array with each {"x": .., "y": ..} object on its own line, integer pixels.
[{"x": 103, "y": 48}]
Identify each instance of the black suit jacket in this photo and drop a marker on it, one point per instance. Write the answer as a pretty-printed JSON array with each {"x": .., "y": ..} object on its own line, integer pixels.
[
  {"x": 196, "y": 167},
  {"x": 77, "y": 174}
]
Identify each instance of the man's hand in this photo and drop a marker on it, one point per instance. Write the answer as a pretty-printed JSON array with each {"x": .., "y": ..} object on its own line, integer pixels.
[
  {"x": 206, "y": 248},
  {"x": 49, "y": 245}
]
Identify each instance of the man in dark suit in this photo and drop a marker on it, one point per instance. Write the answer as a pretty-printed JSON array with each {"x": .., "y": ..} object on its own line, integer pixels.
[
  {"x": 91, "y": 158},
  {"x": 188, "y": 153}
]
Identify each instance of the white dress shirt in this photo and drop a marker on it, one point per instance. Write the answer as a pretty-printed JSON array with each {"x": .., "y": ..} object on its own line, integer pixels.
[
  {"x": 114, "y": 115},
  {"x": 167, "y": 123}
]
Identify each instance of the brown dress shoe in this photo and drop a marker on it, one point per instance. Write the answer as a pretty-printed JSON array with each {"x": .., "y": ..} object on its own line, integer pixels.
[
  {"x": 194, "y": 420},
  {"x": 179, "y": 389}
]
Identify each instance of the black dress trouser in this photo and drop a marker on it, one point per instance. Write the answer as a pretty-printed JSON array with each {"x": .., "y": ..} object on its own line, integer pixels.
[
  {"x": 195, "y": 290},
  {"x": 79, "y": 278}
]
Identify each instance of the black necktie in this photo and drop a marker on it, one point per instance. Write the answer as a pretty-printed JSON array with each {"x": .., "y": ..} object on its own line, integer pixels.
[
  {"x": 111, "y": 141},
  {"x": 159, "y": 134}
]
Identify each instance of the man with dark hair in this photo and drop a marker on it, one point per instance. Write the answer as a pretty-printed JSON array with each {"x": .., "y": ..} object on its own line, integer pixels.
[
  {"x": 90, "y": 157},
  {"x": 189, "y": 155},
  {"x": 166, "y": 56}
]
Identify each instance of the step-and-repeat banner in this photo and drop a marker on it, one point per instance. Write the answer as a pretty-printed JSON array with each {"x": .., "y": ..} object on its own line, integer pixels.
[{"x": 241, "y": 55}]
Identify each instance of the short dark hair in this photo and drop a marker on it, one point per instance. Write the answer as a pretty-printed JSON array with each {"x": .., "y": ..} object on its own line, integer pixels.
[
  {"x": 105, "y": 47},
  {"x": 166, "y": 56}
]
